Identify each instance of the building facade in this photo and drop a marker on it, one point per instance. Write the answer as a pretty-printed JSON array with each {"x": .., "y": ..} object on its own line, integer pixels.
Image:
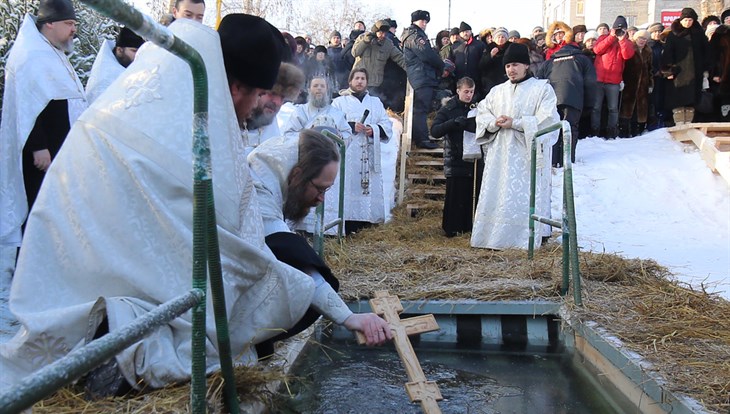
[{"x": 637, "y": 12}]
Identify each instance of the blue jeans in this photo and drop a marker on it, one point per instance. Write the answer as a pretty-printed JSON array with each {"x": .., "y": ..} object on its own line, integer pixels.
[{"x": 610, "y": 91}]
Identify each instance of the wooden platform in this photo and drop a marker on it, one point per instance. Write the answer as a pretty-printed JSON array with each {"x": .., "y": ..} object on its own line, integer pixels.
[{"x": 713, "y": 140}]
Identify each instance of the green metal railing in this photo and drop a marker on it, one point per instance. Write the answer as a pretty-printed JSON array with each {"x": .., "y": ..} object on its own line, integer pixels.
[
  {"x": 320, "y": 227},
  {"x": 571, "y": 265},
  {"x": 206, "y": 254}
]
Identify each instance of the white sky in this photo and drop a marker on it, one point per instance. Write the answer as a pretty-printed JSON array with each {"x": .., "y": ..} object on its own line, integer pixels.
[{"x": 520, "y": 15}]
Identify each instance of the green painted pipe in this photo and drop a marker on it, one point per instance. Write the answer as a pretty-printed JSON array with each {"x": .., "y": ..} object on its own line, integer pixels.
[
  {"x": 319, "y": 225},
  {"x": 206, "y": 254},
  {"x": 569, "y": 208},
  {"x": 82, "y": 360}
]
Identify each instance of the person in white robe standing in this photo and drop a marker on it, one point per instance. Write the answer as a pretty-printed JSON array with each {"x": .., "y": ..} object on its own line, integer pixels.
[
  {"x": 42, "y": 99},
  {"x": 507, "y": 120},
  {"x": 114, "y": 56},
  {"x": 110, "y": 237},
  {"x": 371, "y": 147}
]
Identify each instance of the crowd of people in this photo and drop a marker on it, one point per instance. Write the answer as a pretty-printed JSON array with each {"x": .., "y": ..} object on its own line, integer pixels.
[{"x": 96, "y": 182}]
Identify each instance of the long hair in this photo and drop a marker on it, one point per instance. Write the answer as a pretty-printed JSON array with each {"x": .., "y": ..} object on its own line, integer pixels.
[{"x": 315, "y": 152}]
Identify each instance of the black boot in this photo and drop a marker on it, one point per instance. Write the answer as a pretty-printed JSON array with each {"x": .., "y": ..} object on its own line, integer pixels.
[{"x": 624, "y": 128}]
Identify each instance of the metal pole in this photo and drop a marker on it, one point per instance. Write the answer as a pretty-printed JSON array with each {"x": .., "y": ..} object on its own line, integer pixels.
[
  {"x": 570, "y": 212},
  {"x": 80, "y": 361}
]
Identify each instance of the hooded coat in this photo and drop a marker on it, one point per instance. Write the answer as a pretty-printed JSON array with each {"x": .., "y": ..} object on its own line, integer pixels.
[
  {"x": 553, "y": 47},
  {"x": 685, "y": 57}
]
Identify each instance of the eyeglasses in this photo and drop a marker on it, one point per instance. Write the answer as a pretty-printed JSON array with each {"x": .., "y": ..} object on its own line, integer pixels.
[{"x": 320, "y": 190}]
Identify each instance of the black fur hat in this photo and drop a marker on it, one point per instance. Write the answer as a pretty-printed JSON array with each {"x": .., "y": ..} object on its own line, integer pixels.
[
  {"x": 252, "y": 49},
  {"x": 688, "y": 12},
  {"x": 620, "y": 23},
  {"x": 420, "y": 15},
  {"x": 464, "y": 27},
  {"x": 516, "y": 53},
  {"x": 127, "y": 38}
]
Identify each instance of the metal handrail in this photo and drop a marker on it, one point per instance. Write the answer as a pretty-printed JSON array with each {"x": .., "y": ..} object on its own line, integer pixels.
[
  {"x": 206, "y": 253},
  {"x": 571, "y": 266},
  {"x": 80, "y": 361},
  {"x": 319, "y": 225}
]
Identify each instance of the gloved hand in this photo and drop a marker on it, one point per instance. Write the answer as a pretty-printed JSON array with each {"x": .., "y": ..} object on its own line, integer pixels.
[
  {"x": 369, "y": 37},
  {"x": 460, "y": 121}
]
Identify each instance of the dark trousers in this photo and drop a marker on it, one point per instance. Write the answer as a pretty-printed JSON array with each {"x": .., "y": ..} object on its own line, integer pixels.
[
  {"x": 611, "y": 93},
  {"x": 571, "y": 115},
  {"x": 422, "y": 98}
]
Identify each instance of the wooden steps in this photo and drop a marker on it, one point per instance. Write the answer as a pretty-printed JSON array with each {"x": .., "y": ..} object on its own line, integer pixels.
[{"x": 713, "y": 141}]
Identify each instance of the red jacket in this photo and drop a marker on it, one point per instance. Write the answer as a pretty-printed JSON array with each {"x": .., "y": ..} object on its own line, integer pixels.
[{"x": 610, "y": 57}]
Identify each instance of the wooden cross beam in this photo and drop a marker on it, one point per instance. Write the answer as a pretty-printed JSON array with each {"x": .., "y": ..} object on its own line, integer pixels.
[{"x": 419, "y": 389}]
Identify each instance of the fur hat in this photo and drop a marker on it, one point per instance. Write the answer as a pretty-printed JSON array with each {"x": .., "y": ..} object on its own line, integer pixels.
[
  {"x": 688, "y": 12},
  {"x": 655, "y": 27},
  {"x": 320, "y": 48},
  {"x": 289, "y": 81},
  {"x": 620, "y": 23},
  {"x": 591, "y": 34},
  {"x": 393, "y": 23},
  {"x": 464, "y": 27},
  {"x": 252, "y": 49},
  {"x": 581, "y": 28},
  {"x": 641, "y": 33},
  {"x": 558, "y": 26},
  {"x": 50, "y": 11},
  {"x": 513, "y": 33},
  {"x": 335, "y": 33},
  {"x": 420, "y": 15},
  {"x": 454, "y": 31},
  {"x": 127, "y": 38},
  {"x": 516, "y": 53},
  {"x": 381, "y": 26}
]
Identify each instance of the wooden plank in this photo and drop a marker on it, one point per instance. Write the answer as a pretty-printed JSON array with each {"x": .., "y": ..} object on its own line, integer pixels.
[
  {"x": 435, "y": 163},
  {"x": 426, "y": 191},
  {"x": 718, "y": 161},
  {"x": 426, "y": 176}
]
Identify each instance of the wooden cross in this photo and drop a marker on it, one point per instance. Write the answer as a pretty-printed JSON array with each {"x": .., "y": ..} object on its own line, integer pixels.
[{"x": 419, "y": 389}]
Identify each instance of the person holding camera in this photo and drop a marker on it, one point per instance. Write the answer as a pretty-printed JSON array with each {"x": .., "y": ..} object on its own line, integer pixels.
[
  {"x": 368, "y": 51},
  {"x": 612, "y": 51}
]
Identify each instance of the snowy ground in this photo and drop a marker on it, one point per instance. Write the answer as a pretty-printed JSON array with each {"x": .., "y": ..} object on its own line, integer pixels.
[{"x": 646, "y": 197}]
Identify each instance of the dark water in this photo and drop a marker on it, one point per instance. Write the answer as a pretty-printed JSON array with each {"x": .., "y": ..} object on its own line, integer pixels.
[{"x": 340, "y": 378}]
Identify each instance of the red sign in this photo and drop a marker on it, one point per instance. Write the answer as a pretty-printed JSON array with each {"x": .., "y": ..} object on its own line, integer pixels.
[{"x": 669, "y": 16}]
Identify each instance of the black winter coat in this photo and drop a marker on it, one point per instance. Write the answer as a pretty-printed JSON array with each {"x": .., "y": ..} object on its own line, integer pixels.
[
  {"x": 491, "y": 68},
  {"x": 423, "y": 64},
  {"x": 686, "y": 56},
  {"x": 572, "y": 75},
  {"x": 466, "y": 58},
  {"x": 445, "y": 126}
]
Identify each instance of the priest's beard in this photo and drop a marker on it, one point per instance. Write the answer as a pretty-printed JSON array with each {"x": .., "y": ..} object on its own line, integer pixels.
[
  {"x": 295, "y": 209},
  {"x": 67, "y": 47},
  {"x": 319, "y": 101},
  {"x": 260, "y": 118}
]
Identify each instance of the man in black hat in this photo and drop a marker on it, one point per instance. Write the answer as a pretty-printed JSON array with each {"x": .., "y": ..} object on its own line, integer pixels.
[
  {"x": 110, "y": 62},
  {"x": 43, "y": 96},
  {"x": 424, "y": 68},
  {"x": 507, "y": 120},
  {"x": 466, "y": 57}
]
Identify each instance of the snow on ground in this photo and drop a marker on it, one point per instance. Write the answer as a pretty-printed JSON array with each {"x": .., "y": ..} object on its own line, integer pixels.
[
  {"x": 647, "y": 197},
  {"x": 653, "y": 198}
]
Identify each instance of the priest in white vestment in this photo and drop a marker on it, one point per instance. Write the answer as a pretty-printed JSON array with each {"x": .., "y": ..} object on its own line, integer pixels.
[
  {"x": 291, "y": 177},
  {"x": 43, "y": 97},
  {"x": 263, "y": 123},
  {"x": 319, "y": 111},
  {"x": 110, "y": 237},
  {"x": 370, "y": 153},
  {"x": 507, "y": 120},
  {"x": 114, "y": 56}
]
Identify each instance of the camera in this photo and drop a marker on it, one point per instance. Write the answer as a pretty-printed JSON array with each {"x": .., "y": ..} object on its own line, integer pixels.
[{"x": 619, "y": 32}]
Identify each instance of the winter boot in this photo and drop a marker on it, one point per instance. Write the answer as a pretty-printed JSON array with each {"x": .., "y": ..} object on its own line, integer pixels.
[
  {"x": 637, "y": 128},
  {"x": 689, "y": 114},
  {"x": 624, "y": 128},
  {"x": 678, "y": 115}
]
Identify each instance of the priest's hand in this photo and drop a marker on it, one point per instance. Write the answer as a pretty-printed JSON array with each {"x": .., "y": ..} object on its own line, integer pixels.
[
  {"x": 375, "y": 328},
  {"x": 503, "y": 121},
  {"x": 42, "y": 159}
]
